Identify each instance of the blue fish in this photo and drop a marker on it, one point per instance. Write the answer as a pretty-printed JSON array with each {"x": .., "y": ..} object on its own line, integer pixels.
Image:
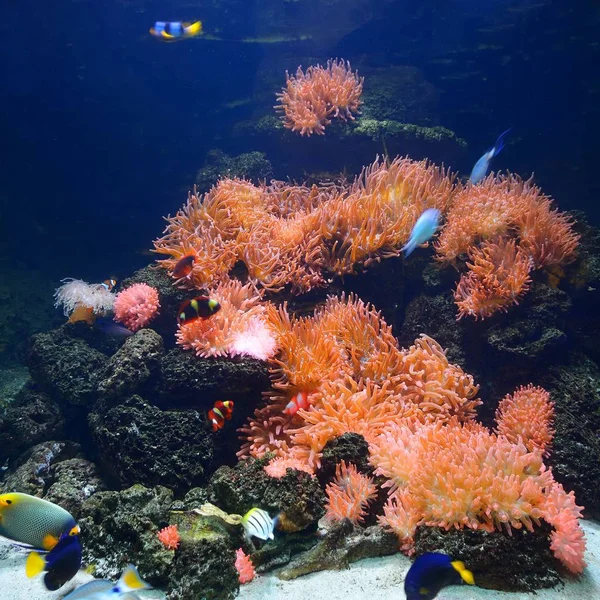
[
  {"x": 103, "y": 589},
  {"x": 423, "y": 230},
  {"x": 61, "y": 563},
  {"x": 111, "y": 328},
  {"x": 175, "y": 30},
  {"x": 431, "y": 572},
  {"x": 483, "y": 164}
]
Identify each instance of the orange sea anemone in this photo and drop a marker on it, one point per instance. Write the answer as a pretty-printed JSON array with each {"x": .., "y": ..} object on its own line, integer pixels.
[
  {"x": 498, "y": 277},
  {"x": 244, "y": 566},
  {"x": 527, "y": 416},
  {"x": 312, "y": 98},
  {"x": 375, "y": 218},
  {"x": 349, "y": 494},
  {"x": 169, "y": 537},
  {"x": 240, "y": 327}
]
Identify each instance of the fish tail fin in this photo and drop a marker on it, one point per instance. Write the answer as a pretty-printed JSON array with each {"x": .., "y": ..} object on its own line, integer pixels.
[
  {"x": 500, "y": 142},
  {"x": 408, "y": 248},
  {"x": 464, "y": 573},
  {"x": 193, "y": 28},
  {"x": 35, "y": 564},
  {"x": 130, "y": 581}
]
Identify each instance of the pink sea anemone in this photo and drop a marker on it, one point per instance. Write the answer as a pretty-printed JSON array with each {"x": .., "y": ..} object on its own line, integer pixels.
[
  {"x": 136, "y": 306},
  {"x": 244, "y": 566}
]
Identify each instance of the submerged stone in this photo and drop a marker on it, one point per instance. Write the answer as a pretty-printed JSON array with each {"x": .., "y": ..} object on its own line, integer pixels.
[{"x": 342, "y": 544}]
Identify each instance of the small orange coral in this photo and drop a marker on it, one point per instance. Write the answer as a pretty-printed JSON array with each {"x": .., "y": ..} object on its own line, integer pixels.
[
  {"x": 244, "y": 566},
  {"x": 169, "y": 537},
  {"x": 527, "y": 416},
  {"x": 498, "y": 276},
  {"x": 311, "y": 99},
  {"x": 349, "y": 494},
  {"x": 136, "y": 306}
]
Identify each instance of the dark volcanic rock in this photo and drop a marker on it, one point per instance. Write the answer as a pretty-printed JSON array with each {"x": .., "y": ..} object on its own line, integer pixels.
[
  {"x": 139, "y": 443},
  {"x": 187, "y": 380},
  {"x": 35, "y": 470},
  {"x": 75, "y": 480},
  {"x": 343, "y": 544},
  {"x": 349, "y": 447},
  {"x": 575, "y": 451},
  {"x": 518, "y": 563},
  {"x": 32, "y": 418},
  {"x": 118, "y": 528},
  {"x": 533, "y": 330},
  {"x": 296, "y": 497},
  {"x": 204, "y": 569},
  {"x": 67, "y": 368},
  {"x": 133, "y": 367}
]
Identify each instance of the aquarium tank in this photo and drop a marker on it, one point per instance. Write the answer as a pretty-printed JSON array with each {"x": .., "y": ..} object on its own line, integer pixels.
[{"x": 300, "y": 299}]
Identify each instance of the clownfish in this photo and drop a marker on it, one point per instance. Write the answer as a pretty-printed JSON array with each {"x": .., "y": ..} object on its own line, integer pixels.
[
  {"x": 109, "y": 284},
  {"x": 300, "y": 400},
  {"x": 201, "y": 307},
  {"x": 174, "y": 31},
  {"x": 431, "y": 572},
  {"x": 183, "y": 267},
  {"x": 219, "y": 413}
]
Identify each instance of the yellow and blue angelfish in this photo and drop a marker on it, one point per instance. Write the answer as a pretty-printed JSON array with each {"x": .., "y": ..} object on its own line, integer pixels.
[
  {"x": 174, "y": 31},
  {"x": 103, "y": 589},
  {"x": 431, "y": 572},
  {"x": 45, "y": 526}
]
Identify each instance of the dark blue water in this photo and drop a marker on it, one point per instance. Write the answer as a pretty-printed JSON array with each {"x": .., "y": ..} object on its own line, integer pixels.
[{"x": 103, "y": 127}]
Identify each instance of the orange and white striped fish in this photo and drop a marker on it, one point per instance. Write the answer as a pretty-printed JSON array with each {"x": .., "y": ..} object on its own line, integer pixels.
[
  {"x": 300, "y": 400},
  {"x": 219, "y": 413}
]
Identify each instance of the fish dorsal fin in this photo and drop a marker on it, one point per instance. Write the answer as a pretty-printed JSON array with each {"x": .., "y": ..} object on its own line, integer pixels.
[{"x": 131, "y": 580}]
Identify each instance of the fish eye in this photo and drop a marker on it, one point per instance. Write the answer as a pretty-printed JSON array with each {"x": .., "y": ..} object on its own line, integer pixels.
[{"x": 9, "y": 502}]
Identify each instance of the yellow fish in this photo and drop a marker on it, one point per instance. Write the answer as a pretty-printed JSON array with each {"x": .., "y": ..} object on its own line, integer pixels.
[
  {"x": 33, "y": 521},
  {"x": 175, "y": 30}
]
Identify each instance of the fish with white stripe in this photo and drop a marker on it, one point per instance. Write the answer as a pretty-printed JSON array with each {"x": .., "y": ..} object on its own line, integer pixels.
[{"x": 259, "y": 524}]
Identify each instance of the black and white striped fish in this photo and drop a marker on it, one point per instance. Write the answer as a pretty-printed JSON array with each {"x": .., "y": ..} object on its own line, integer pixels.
[{"x": 258, "y": 523}]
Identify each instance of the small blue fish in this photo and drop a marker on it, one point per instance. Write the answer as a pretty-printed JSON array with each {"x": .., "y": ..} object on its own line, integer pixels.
[
  {"x": 483, "y": 164},
  {"x": 175, "y": 30},
  {"x": 111, "y": 328},
  {"x": 423, "y": 230},
  {"x": 102, "y": 589},
  {"x": 431, "y": 572}
]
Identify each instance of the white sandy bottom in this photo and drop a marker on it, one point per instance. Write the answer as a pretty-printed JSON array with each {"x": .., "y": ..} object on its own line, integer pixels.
[{"x": 371, "y": 579}]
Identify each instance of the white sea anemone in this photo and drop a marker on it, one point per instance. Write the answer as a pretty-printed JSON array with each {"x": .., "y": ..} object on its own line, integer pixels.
[{"x": 75, "y": 292}]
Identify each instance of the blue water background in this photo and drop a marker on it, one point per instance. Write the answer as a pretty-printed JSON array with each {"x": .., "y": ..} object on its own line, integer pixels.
[{"x": 103, "y": 127}]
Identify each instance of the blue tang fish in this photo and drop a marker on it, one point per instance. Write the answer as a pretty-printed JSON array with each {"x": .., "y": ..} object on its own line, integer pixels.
[
  {"x": 423, "y": 230},
  {"x": 103, "y": 589},
  {"x": 431, "y": 572},
  {"x": 483, "y": 164},
  {"x": 61, "y": 563},
  {"x": 174, "y": 31}
]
